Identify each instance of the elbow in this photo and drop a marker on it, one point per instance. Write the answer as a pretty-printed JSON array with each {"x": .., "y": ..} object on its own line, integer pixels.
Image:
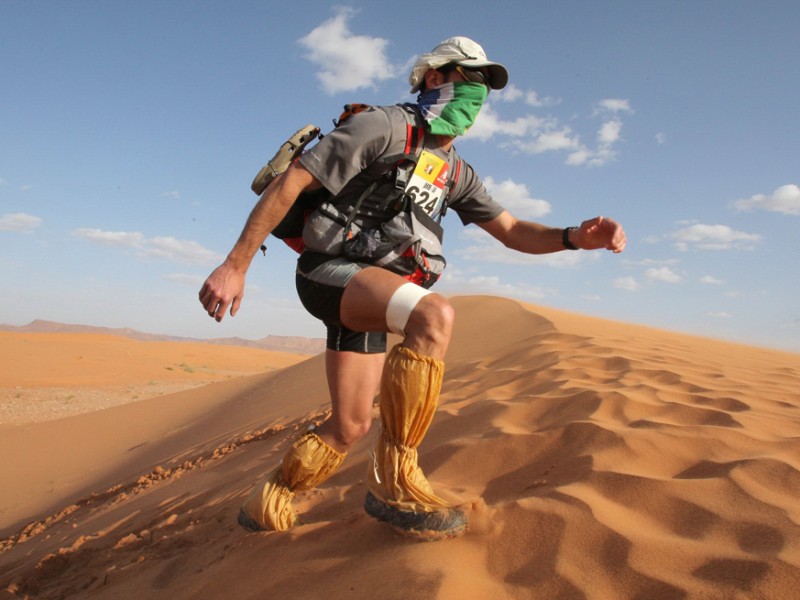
[
  {"x": 515, "y": 237},
  {"x": 511, "y": 244}
]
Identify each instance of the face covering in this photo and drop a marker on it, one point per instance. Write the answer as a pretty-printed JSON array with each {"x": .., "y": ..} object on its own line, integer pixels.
[{"x": 452, "y": 108}]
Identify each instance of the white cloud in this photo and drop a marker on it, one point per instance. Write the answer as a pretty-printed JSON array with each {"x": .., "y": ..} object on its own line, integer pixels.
[
  {"x": 126, "y": 239},
  {"x": 719, "y": 315},
  {"x": 607, "y": 136},
  {"x": 533, "y": 134},
  {"x": 165, "y": 248},
  {"x": 510, "y": 93},
  {"x": 530, "y": 134},
  {"x": 613, "y": 105},
  {"x": 482, "y": 284},
  {"x": 183, "y": 279},
  {"x": 710, "y": 280},
  {"x": 713, "y": 237},
  {"x": 181, "y": 251},
  {"x": 786, "y": 200},
  {"x": 532, "y": 98},
  {"x": 609, "y": 132},
  {"x": 516, "y": 198},
  {"x": 347, "y": 62},
  {"x": 549, "y": 141},
  {"x": 174, "y": 194},
  {"x": 489, "y": 124},
  {"x": 650, "y": 262},
  {"x": 579, "y": 157},
  {"x": 629, "y": 284},
  {"x": 19, "y": 222},
  {"x": 661, "y": 139},
  {"x": 663, "y": 274}
]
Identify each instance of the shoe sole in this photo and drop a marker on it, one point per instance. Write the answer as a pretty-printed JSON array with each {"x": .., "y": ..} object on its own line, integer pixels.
[
  {"x": 248, "y": 523},
  {"x": 446, "y": 522}
]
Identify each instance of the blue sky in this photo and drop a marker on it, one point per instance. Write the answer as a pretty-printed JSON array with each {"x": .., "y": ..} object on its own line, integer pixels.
[{"x": 130, "y": 132}]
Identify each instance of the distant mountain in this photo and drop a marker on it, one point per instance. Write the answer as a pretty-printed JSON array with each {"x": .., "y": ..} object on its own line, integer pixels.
[{"x": 278, "y": 343}]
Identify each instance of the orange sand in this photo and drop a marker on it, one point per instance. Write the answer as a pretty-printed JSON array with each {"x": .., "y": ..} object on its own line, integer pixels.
[
  {"x": 48, "y": 376},
  {"x": 597, "y": 460}
]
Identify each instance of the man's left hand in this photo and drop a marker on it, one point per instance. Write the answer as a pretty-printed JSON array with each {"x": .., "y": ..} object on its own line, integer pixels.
[{"x": 600, "y": 232}]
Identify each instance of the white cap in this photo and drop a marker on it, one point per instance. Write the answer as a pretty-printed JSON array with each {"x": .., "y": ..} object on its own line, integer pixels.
[{"x": 461, "y": 51}]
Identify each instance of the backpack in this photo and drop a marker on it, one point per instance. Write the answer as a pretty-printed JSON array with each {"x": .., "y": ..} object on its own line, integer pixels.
[
  {"x": 408, "y": 243},
  {"x": 290, "y": 229}
]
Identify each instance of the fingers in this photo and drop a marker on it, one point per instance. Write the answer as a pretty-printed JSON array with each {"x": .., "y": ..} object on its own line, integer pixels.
[
  {"x": 224, "y": 288},
  {"x": 622, "y": 241},
  {"x": 591, "y": 224},
  {"x": 235, "y": 306},
  {"x": 216, "y": 309},
  {"x": 219, "y": 313},
  {"x": 618, "y": 240},
  {"x": 602, "y": 232},
  {"x": 214, "y": 304}
]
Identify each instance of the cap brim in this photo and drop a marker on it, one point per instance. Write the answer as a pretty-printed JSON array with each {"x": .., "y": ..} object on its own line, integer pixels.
[{"x": 498, "y": 75}]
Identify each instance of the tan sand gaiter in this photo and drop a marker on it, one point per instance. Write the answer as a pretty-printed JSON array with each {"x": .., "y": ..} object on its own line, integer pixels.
[
  {"x": 308, "y": 463},
  {"x": 409, "y": 393}
]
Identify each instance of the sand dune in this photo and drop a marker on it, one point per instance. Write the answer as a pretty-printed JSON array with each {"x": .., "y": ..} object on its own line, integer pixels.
[
  {"x": 49, "y": 376},
  {"x": 597, "y": 460}
]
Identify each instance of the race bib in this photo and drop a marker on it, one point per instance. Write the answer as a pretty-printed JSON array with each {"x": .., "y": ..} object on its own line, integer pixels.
[{"x": 428, "y": 184}]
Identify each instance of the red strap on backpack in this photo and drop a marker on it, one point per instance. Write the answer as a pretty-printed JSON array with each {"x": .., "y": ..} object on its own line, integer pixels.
[
  {"x": 349, "y": 111},
  {"x": 414, "y": 137}
]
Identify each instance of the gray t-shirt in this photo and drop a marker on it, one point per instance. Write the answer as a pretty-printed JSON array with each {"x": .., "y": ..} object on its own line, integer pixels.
[{"x": 349, "y": 159}]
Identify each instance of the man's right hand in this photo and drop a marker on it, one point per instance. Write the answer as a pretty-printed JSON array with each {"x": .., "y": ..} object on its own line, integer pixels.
[{"x": 223, "y": 288}]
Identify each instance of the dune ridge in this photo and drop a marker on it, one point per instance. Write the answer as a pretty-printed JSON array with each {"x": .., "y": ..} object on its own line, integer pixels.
[{"x": 595, "y": 459}]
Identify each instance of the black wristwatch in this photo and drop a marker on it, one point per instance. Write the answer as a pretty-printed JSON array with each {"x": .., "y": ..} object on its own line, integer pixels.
[{"x": 565, "y": 238}]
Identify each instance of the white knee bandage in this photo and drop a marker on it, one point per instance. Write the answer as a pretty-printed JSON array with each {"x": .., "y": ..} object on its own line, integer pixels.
[{"x": 401, "y": 305}]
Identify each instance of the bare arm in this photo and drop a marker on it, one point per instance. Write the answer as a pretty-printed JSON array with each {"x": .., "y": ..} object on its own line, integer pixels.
[
  {"x": 225, "y": 286},
  {"x": 534, "y": 238}
]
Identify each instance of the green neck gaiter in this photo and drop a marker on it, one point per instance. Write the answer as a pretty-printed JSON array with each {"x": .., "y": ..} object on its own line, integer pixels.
[{"x": 452, "y": 108}]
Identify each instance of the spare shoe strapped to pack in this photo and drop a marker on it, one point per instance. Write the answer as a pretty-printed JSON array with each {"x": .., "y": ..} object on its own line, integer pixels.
[
  {"x": 294, "y": 147},
  {"x": 291, "y": 149}
]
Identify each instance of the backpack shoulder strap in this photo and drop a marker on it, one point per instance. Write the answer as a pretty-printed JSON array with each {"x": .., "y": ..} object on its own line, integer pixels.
[
  {"x": 457, "y": 171},
  {"x": 455, "y": 163},
  {"x": 415, "y": 133}
]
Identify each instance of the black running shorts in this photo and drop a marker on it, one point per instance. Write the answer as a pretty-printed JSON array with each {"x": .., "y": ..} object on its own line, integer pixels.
[{"x": 320, "y": 281}]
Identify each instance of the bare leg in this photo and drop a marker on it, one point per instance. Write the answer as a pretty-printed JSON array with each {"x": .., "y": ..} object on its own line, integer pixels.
[{"x": 353, "y": 380}]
